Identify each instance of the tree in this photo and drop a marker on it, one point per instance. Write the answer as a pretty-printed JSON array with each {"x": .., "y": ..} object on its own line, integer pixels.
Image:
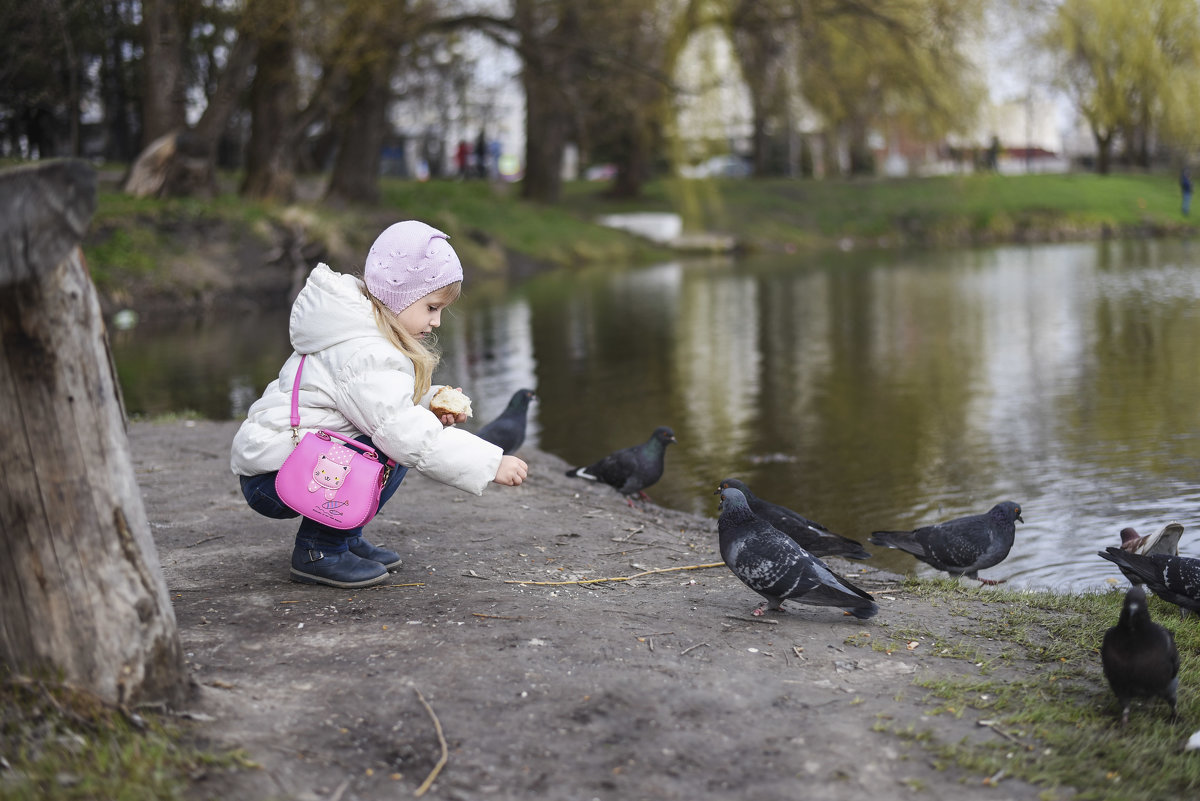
[
  {"x": 45, "y": 55},
  {"x": 763, "y": 35},
  {"x": 626, "y": 93},
  {"x": 80, "y": 585},
  {"x": 1130, "y": 69},
  {"x": 177, "y": 159}
]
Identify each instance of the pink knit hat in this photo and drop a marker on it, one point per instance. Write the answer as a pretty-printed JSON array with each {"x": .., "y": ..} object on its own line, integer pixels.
[{"x": 408, "y": 261}]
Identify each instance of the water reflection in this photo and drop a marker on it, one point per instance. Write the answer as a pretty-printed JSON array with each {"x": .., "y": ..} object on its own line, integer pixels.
[{"x": 865, "y": 390}]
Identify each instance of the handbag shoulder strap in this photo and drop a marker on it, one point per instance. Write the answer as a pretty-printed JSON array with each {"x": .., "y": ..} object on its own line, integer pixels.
[
  {"x": 296, "y": 400},
  {"x": 296, "y": 417}
]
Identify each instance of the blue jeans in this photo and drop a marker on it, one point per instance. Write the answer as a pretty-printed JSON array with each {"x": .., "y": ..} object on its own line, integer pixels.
[{"x": 261, "y": 495}]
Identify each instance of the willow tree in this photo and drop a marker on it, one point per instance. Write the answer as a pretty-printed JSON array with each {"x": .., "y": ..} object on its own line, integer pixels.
[
  {"x": 868, "y": 66},
  {"x": 627, "y": 91},
  {"x": 1130, "y": 68}
]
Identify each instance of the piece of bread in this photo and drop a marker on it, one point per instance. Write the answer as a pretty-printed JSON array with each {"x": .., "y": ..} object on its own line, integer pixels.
[{"x": 449, "y": 400}]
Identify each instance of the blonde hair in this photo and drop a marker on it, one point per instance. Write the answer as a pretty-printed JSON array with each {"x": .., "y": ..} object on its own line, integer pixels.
[{"x": 425, "y": 355}]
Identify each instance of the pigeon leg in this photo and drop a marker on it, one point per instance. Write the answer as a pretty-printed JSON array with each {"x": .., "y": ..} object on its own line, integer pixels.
[
  {"x": 990, "y": 582},
  {"x": 765, "y": 605}
]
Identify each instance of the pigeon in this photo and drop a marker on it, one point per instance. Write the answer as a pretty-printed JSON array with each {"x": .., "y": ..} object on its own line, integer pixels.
[
  {"x": 1165, "y": 541},
  {"x": 508, "y": 430},
  {"x": 1175, "y": 579},
  {"x": 632, "y": 469},
  {"x": 773, "y": 565},
  {"x": 812, "y": 537},
  {"x": 1139, "y": 656},
  {"x": 963, "y": 546}
]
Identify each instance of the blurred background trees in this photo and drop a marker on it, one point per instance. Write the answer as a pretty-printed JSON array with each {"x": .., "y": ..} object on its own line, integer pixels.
[{"x": 346, "y": 89}]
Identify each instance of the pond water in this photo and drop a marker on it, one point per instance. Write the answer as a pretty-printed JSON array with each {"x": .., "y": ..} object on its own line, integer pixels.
[{"x": 865, "y": 390}]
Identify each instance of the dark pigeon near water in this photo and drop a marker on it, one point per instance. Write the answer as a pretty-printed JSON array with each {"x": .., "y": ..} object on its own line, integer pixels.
[
  {"x": 1175, "y": 579},
  {"x": 1139, "y": 656},
  {"x": 812, "y": 537},
  {"x": 632, "y": 469},
  {"x": 508, "y": 430},
  {"x": 963, "y": 546},
  {"x": 773, "y": 565}
]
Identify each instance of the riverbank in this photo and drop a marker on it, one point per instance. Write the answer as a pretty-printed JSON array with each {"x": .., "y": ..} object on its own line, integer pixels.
[
  {"x": 547, "y": 683},
  {"x": 228, "y": 253}
]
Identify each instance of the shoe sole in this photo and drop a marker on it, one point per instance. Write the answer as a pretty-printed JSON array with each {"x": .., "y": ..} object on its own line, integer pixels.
[
  {"x": 399, "y": 563},
  {"x": 308, "y": 578}
]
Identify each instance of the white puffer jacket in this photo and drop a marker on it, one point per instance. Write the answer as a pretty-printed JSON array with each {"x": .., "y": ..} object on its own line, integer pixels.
[{"x": 355, "y": 382}]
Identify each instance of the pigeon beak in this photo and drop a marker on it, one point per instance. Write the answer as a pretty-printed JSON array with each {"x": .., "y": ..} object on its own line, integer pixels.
[{"x": 1020, "y": 518}]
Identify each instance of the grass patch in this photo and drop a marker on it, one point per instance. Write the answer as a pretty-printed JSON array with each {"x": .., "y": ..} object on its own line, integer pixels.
[
  {"x": 1058, "y": 719},
  {"x": 490, "y": 224},
  {"x": 60, "y": 745}
]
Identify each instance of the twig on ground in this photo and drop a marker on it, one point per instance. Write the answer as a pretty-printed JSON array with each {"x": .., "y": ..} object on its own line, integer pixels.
[
  {"x": 629, "y": 536},
  {"x": 497, "y": 617},
  {"x": 206, "y": 539},
  {"x": 694, "y": 647},
  {"x": 753, "y": 619},
  {"x": 340, "y": 791},
  {"x": 437, "y": 725},
  {"x": 393, "y": 586},
  {"x": 617, "y": 578},
  {"x": 995, "y": 726}
]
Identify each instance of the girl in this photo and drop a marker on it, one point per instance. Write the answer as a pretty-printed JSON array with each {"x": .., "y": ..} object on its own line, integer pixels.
[{"x": 368, "y": 376}]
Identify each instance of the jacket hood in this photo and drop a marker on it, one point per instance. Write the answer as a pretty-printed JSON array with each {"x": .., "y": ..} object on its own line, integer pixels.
[{"x": 329, "y": 310}]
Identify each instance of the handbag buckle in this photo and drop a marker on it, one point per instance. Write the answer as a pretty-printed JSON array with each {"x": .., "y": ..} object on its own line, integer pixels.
[{"x": 295, "y": 436}]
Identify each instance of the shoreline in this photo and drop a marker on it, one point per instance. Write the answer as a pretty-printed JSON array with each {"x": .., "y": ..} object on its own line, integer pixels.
[{"x": 660, "y": 685}]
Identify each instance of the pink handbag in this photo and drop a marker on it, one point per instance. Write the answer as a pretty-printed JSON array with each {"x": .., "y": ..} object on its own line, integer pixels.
[{"x": 330, "y": 478}]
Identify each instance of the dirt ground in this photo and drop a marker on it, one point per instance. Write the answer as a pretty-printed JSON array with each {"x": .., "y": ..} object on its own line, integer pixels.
[{"x": 661, "y": 687}]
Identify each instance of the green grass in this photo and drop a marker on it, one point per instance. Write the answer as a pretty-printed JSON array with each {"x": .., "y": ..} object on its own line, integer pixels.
[
  {"x": 1058, "y": 721},
  {"x": 60, "y": 745},
  {"x": 493, "y": 228}
]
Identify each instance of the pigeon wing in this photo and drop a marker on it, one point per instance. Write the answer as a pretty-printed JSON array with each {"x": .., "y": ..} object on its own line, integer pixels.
[
  {"x": 771, "y": 564},
  {"x": 958, "y": 545}
]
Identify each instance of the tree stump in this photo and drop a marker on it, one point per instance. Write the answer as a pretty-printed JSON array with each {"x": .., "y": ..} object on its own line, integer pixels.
[{"x": 81, "y": 590}]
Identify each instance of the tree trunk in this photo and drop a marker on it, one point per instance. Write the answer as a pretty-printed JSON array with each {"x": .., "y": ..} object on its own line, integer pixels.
[
  {"x": 164, "y": 102},
  {"x": 361, "y": 128},
  {"x": 1103, "y": 152},
  {"x": 546, "y": 124},
  {"x": 271, "y": 152},
  {"x": 183, "y": 162},
  {"x": 80, "y": 583}
]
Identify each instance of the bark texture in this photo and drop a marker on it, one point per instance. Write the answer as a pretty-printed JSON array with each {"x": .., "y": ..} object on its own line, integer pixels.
[{"x": 81, "y": 589}]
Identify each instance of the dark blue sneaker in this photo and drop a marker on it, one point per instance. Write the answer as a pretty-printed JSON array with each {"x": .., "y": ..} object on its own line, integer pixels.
[
  {"x": 365, "y": 550},
  {"x": 344, "y": 569}
]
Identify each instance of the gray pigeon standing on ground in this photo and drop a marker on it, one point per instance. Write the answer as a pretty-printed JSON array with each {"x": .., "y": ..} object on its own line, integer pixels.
[
  {"x": 508, "y": 430},
  {"x": 632, "y": 469},
  {"x": 812, "y": 537},
  {"x": 773, "y": 565},
  {"x": 1165, "y": 541},
  {"x": 963, "y": 546},
  {"x": 1175, "y": 579},
  {"x": 1139, "y": 656}
]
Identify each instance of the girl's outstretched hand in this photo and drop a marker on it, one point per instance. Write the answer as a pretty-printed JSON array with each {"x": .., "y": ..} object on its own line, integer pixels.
[{"x": 512, "y": 471}]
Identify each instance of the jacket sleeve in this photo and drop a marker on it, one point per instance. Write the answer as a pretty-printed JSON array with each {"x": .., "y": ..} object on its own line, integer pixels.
[{"x": 375, "y": 394}]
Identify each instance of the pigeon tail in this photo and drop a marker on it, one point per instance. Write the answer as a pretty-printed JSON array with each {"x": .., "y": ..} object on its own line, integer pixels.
[
  {"x": 865, "y": 612},
  {"x": 581, "y": 472},
  {"x": 900, "y": 540},
  {"x": 1132, "y": 564}
]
